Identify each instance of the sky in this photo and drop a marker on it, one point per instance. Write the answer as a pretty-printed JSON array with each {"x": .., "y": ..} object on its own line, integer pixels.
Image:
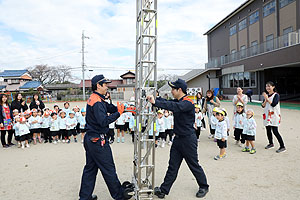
[{"x": 34, "y": 32}]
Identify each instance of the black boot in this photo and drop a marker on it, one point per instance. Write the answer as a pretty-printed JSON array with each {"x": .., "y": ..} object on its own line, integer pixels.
[
  {"x": 159, "y": 193},
  {"x": 201, "y": 193}
]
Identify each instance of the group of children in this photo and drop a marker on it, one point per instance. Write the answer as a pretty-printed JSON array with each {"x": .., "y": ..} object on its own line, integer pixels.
[
  {"x": 244, "y": 128},
  {"x": 57, "y": 125}
]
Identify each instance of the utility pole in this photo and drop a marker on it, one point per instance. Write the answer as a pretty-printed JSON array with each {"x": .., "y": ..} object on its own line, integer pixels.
[{"x": 83, "y": 65}]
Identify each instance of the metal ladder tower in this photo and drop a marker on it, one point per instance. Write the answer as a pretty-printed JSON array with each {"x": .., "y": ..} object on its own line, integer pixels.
[{"x": 146, "y": 83}]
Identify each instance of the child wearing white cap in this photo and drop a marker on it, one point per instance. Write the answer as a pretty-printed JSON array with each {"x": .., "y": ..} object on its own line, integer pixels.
[
  {"x": 71, "y": 123},
  {"x": 250, "y": 131}
]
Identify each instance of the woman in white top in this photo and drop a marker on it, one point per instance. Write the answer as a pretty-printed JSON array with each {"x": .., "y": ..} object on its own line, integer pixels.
[
  {"x": 272, "y": 116},
  {"x": 239, "y": 97}
]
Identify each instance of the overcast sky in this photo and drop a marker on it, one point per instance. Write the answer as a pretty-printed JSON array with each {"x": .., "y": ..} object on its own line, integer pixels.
[{"x": 49, "y": 32}]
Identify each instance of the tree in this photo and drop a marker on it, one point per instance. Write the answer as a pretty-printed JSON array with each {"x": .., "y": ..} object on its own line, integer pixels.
[
  {"x": 43, "y": 73},
  {"x": 63, "y": 74},
  {"x": 51, "y": 74}
]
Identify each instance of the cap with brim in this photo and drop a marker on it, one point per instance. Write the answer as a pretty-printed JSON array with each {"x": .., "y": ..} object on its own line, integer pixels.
[
  {"x": 240, "y": 104},
  {"x": 160, "y": 112},
  {"x": 99, "y": 79},
  {"x": 197, "y": 106}
]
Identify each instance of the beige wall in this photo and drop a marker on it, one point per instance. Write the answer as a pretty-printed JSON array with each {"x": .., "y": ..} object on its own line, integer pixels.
[
  {"x": 269, "y": 26},
  {"x": 243, "y": 38},
  {"x": 287, "y": 17},
  {"x": 254, "y": 32},
  {"x": 202, "y": 82},
  {"x": 233, "y": 42}
]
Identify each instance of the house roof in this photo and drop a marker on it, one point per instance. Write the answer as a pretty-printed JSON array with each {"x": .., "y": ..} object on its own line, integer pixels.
[
  {"x": 241, "y": 7},
  {"x": 13, "y": 73},
  {"x": 195, "y": 73},
  {"x": 128, "y": 74},
  {"x": 31, "y": 84}
]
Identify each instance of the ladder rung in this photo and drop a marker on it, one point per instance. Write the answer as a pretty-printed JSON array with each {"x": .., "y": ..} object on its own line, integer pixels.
[
  {"x": 149, "y": 10},
  {"x": 151, "y": 36},
  {"x": 151, "y": 166}
]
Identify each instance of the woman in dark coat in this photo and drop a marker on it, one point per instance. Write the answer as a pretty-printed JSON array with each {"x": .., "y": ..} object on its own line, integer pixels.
[
  {"x": 36, "y": 103},
  {"x": 19, "y": 103},
  {"x": 6, "y": 119}
]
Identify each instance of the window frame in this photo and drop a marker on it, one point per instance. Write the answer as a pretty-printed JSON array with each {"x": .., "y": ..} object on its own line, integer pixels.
[
  {"x": 245, "y": 19},
  {"x": 256, "y": 18},
  {"x": 287, "y": 2},
  {"x": 269, "y": 13},
  {"x": 230, "y": 34}
]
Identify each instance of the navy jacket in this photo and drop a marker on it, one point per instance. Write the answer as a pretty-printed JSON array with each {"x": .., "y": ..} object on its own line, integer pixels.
[
  {"x": 97, "y": 119},
  {"x": 1, "y": 114},
  {"x": 184, "y": 114}
]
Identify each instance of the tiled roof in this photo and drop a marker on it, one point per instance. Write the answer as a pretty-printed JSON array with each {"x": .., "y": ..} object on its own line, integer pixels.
[
  {"x": 12, "y": 73},
  {"x": 31, "y": 84}
]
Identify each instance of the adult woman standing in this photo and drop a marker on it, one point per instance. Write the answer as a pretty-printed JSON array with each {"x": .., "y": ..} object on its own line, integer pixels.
[
  {"x": 239, "y": 97},
  {"x": 6, "y": 118},
  {"x": 200, "y": 101},
  {"x": 19, "y": 103},
  {"x": 210, "y": 103},
  {"x": 36, "y": 103},
  {"x": 272, "y": 115}
]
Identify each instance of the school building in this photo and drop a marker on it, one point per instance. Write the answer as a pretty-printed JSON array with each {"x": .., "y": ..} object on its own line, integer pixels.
[{"x": 257, "y": 42}]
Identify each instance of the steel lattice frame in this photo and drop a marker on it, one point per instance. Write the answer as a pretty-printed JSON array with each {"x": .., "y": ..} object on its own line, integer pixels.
[{"x": 146, "y": 75}]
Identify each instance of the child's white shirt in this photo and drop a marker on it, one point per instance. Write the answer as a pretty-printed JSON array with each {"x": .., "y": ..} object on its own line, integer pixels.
[
  {"x": 34, "y": 125},
  {"x": 121, "y": 119},
  {"x": 45, "y": 122},
  {"x": 249, "y": 126},
  {"x": 221, "y": 130},
  {"x": 127, "y": 116},
  {"x": 82, "y": 121},
  {"x": 213, "y": 122},
  {"x": 62, "y": 123},
  {"x": 16, "y": 128},
  {"x": 71, "y": 123},
  {"x": 226, "y": 118},
  {"x": 112, "y": 125},
  {"x": 161, "y": 123},
  {"x": 238, "y": 120},
  {"x": 198, "y": 118},
  {"x": 54, "y": 126},
  {"x": 131, "y": 122},
  {"x": 23, "y": 128},
  {"x": 168, "y": 122}
]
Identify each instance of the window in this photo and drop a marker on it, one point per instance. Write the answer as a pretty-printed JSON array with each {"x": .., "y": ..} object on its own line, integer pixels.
[
  {"x": 129, "y": 81},
  {"x": 254, "y": 17},
  {"x": 231, "y": 80},
  {"x": 243, "y": 51},
  {"x": 269, "y": 42},
  {"x": 241, "y": 79},
  {"x": 285, "y": 37},
  {"x": 232, "y": 30},
  {"x": 283, "y": 3},
  {"x": 254, "y": 48},
  {"x": 236, "y": 79},
  {"x": 243, "y": 24},
  {"x": 233, "y": 55},
  {"x": 269, "y": 8},
  {"x": 246, "y": 79}
]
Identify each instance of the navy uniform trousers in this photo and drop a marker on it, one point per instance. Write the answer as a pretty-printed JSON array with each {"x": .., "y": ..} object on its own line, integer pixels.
[
  {"x": 184, "y": 148},
  {"x": 98, "y": 157}
]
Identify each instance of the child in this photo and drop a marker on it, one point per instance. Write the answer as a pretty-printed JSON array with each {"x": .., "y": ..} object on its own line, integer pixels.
[
  {"x": 23, "y": 129},
  {"x": 46, "y": 119},
  {"x": 221, "y": 133},
  {"x": 35, "y": 125},
  {"x": 76, "y": 109},
  {"x": 213, "y": 123},
  {"x": 249, "y": 130},
  {"x": 120, "y": 126},
  {"x": 168, "y": 126},
  {"x": 198, "y": 121},
  {"x": 56, "y": 108},
  {"x": 162, "y": 131},
  {"x": 15, "y": 127},
  {"x": 63, "y": 126},
  {"x": 82, "y": 122},
  {"x": 226, "y": 118},
  {"x": 54, "y": 127},
  {"x": 127, "y": 119},
  {"x": 71, "y": 123},
  {"x": 238, "y": 119},
  {"x": 131, "y": 126},
  {"x": 154, "y": 129},
  {"x": 66, "y": 108}
]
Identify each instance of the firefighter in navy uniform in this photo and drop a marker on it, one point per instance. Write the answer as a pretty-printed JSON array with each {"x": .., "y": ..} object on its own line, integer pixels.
[
  {"x": 185, "y": 142},
  {"x": 98, "y": 151}
]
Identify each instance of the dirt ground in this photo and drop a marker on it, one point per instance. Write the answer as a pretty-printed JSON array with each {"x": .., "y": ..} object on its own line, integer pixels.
[{"x": 49, "y": 171}]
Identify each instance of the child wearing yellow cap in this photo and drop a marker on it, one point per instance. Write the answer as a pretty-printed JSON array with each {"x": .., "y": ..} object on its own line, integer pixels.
[
  {"x": 238, "y": 120},
  {"x": 221, "y": 134}
]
